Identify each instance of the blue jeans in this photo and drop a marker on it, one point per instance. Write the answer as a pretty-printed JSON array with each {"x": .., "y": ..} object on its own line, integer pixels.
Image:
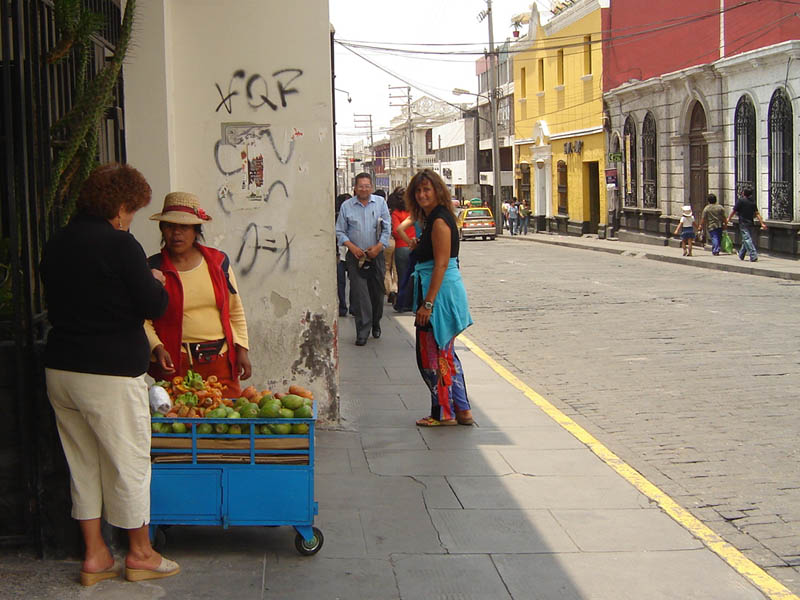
[
  {"x": 523, "y": 224},
  {"x": 746, "y": 232},
  {"x": 512, "y": 225},
  {"x": 716, "y": 239}
]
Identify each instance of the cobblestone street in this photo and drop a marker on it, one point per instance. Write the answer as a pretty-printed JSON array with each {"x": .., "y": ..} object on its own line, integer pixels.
[{"x": 689, "y": 375}]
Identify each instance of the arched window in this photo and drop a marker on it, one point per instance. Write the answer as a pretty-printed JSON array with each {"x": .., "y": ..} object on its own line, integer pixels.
[
  {"x": 649, "y": 162},
  {"x": 561, "y": 169},
  {"x": 629, "y": 135},
  {"x": 745, "y": 145},
  {"x": 781, "y": 207}
]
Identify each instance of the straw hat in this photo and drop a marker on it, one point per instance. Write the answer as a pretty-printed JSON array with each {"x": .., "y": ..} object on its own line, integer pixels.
[
  {"x": 182, "y": 208},
  {"x": 687, "y": 211}
]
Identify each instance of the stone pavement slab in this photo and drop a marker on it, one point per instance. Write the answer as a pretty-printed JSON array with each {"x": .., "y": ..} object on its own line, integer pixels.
[
  {"x": 465, "y": 577},
  {"x": 624, "y": 530},
  {"x": 523, "y": 491},
  {"x": 673, "y": 575},
  {"x": 501, "y": 531}
]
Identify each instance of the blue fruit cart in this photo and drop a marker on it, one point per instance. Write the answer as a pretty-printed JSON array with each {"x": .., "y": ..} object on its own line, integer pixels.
[{"x": 250, "y": 478}]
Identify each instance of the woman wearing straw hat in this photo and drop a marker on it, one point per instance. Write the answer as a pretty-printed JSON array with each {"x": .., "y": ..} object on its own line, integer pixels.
[
  {"x": 204, "y": 327},
  {"x": 686, "y": 229}
]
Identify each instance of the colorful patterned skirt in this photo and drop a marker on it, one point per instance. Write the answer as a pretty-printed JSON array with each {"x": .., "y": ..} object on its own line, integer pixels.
[{"x": 441, "y": 370}]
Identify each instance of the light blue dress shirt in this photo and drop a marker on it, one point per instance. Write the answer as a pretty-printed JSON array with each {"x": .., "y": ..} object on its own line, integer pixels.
[{"x": 362, "y": 225}]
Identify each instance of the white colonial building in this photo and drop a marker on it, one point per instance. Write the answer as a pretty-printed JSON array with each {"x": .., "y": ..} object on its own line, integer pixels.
[{"x": 714, "y": 128}]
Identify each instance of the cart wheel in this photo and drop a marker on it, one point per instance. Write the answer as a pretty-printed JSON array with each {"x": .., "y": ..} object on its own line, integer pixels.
[
  {"x": 160, "y": 539},
  {"x": 312, "y": 546}
]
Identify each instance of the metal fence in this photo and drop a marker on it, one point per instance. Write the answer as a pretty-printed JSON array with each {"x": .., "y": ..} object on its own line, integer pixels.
[{"x": 34, "y": 94}]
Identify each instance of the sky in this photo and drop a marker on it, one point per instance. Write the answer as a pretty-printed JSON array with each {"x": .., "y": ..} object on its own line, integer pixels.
[{"x": 410, "y": 22}]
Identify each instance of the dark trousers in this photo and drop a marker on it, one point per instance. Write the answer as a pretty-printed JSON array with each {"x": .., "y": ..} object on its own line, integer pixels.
[
  {"x": 404, "y": 293},
  {"x": 367, "y": 294},
  {"x": 341, "y": 285}
]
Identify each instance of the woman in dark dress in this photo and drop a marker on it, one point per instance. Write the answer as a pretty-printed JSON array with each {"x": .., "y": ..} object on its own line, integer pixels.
[{"x": 440, "y": 300}]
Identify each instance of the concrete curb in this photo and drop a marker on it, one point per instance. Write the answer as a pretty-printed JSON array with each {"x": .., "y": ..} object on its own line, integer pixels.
[{"x": 759, "y": 271}]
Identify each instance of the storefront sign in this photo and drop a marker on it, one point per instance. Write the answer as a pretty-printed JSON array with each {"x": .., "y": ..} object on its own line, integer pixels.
[
  {"x": 611, "y": 177},
  {"x": 615, "y": 157}
]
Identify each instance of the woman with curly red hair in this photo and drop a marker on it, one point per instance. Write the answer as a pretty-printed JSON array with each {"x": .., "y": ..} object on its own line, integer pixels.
[{"x": 99, "y": 290}]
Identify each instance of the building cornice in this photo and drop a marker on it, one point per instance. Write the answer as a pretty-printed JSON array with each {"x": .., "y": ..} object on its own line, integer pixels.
[
  {"x": 576, "y": 12},
  {"x": 576, "y": 133}
]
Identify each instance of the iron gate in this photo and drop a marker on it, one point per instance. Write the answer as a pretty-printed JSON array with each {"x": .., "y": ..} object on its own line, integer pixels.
[{"x": 34, "y": 487}]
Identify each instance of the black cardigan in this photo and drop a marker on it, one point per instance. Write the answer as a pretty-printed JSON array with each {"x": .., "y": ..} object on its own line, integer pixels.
[{"x": 99, "y": 290}]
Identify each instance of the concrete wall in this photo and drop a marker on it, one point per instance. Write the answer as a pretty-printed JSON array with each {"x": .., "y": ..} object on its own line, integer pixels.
[{"x": 207, "y": 84}]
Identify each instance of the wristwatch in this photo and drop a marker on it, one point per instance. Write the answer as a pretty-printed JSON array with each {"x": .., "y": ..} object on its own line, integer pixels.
[{"x": 428, "y": 305}]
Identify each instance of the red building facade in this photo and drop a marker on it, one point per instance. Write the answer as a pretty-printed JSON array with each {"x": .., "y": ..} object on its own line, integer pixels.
[{"x": 670, "y": 35}]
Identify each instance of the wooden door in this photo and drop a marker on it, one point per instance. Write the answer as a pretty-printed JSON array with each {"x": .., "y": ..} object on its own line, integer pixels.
[{"x": 698, "y": 161}]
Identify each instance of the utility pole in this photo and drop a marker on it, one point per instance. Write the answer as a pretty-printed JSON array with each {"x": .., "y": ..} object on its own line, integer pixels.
[
  {"x": 408, "y": 123},
  {"x": 362, "y": 122},
  {"x": 496, "y": 187}
]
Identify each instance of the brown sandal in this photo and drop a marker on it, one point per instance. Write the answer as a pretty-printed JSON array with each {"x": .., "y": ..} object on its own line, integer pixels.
[
  {"x": 464, "y": 417},
  {"x": 431, "y": 422}
]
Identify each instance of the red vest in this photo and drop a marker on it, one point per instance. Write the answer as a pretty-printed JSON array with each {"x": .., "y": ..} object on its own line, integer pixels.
[{"x": 169, "y": 327}]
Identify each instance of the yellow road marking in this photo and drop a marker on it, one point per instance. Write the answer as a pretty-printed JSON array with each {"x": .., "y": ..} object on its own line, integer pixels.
[{"x": 743, "y": 565}]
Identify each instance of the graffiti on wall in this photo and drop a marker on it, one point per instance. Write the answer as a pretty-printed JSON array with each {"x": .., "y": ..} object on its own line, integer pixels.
[
  {"x": 259, "y": 91},
  {"x": 250, "y": 158}
]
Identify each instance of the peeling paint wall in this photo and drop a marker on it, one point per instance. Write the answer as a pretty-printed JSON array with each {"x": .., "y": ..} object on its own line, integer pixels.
[{"x": 232, "y": 101}]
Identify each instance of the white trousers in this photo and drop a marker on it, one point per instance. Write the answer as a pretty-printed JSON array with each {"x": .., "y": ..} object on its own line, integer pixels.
[{"x": 104, "y": 425}]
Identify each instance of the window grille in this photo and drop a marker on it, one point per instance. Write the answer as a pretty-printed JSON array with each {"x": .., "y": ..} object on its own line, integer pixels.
[
  {"x": 649, "y": 162},
  {"x": 781, "y": 206},
  {"x": 629, "y": 167}
]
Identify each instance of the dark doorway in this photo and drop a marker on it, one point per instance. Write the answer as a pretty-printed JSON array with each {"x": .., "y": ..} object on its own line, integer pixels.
[
  {"x": 591, "y": 178},
  {"x": 698, "y": 160}
]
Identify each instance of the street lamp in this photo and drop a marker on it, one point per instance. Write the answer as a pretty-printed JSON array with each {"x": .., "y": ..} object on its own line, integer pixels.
[
  {"x": 498, "y": 202},
  {"x": 349, "y": 99}
]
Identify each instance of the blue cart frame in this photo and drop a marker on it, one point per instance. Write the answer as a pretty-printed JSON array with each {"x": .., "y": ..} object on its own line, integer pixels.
[{"x": 229, "y": 480}]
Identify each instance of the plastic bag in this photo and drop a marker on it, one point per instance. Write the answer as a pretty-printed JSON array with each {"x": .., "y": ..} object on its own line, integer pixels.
[
  {"x": 727, "y": 243},
  {"x": 159, "y": 400}
]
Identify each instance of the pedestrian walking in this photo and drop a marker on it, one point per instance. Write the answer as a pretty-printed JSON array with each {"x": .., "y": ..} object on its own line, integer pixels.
[
  {"x": 364, "y": 227},
  {"x": 748, "y": 213},
  {"x": 713, "y": 219},
  {"x": 686, "y": 229},
  {"x": 524, "y": 217},
  {"x": 341, "y": 265},
  {"x": 513, "y": 217},
  {"x": 402, "y": 251},
  {"x": 440, "y": 300},
  {"x": 504, "y": 209}
]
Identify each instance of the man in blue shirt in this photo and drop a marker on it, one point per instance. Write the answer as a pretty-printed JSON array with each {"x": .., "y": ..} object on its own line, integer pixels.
[
  {"x": 748, "y": 212},
  {"x": 364, "y": 227}
]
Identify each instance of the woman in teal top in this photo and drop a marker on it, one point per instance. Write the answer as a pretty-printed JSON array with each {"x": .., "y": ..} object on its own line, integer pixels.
[{"x": 440, "y": 300}]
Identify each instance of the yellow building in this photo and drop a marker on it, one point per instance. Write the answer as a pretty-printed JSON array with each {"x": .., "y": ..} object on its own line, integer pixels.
[{"x": 558, "y": 126}]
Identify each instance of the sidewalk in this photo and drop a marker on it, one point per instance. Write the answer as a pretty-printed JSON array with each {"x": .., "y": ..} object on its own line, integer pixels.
[
  {"x": 514, "y": 507},
  {"x": 766, "y": 266}
]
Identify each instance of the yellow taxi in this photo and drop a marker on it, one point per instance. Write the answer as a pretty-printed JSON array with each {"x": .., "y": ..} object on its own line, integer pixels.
[{"x": 475, "y": 222}]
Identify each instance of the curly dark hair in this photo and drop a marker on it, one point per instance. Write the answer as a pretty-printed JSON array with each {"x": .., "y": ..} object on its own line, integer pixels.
[
  {"x": 395, "y": 200},
  {"x": 439, "y": 187},
  {"x": 110, "y": 187}
]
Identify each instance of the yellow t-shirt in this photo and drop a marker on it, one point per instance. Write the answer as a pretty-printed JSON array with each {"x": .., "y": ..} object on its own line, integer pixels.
[{"x": 201, "y": 318}]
